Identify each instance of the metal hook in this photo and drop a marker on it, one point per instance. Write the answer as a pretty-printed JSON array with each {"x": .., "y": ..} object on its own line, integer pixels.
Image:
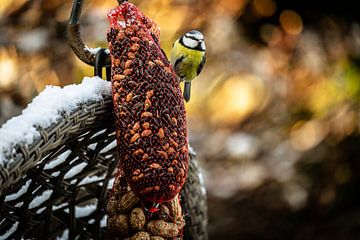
[
  {"x": 76, "y": 43},
  {"x": 100, "y": 57}
]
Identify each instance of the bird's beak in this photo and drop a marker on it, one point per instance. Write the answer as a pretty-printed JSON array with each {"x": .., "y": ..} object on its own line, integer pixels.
[{"x": 187, "y": 90}]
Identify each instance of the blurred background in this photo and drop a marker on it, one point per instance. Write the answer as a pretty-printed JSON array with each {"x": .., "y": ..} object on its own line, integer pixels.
[{"x": 274, "y": 116}]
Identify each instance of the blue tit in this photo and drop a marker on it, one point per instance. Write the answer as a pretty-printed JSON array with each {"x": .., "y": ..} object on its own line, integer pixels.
[{"x": 188, "y": 58}]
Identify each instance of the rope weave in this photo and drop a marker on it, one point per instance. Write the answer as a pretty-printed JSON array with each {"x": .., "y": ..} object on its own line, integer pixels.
[{"x": 60, "y": 184}]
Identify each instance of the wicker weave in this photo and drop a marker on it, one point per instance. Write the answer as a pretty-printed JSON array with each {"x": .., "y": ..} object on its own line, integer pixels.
[{"x": 75, "y": 201}]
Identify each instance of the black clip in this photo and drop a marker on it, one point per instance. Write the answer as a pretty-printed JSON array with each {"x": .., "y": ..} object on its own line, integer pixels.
[{"x": 100, "y": 62}]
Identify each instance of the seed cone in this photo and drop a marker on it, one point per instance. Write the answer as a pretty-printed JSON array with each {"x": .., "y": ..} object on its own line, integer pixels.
[{"x": 148, "y": 105}]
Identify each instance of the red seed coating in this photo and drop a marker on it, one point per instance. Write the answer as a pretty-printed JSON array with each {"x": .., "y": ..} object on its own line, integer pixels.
[
  {"x": 148, "y": 106},
  {"x": 139, "y": 151},
  {"x": 136, "y": 126},
  {"x": 134, "y": 138},
  {"x": 161, "y": 133},
  {"x": 128, "y": 63},
  {"x": 146, "y": 114},
  {"x": 146, "y": 133},
  {"x": 146, "y": 125},
  {"x": 145, "y": 157}
]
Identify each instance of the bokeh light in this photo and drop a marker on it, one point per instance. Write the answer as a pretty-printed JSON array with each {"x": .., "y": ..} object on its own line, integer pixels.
[
  {"x": 291, "y": 22},
  {"x": 274, "y": 116}
]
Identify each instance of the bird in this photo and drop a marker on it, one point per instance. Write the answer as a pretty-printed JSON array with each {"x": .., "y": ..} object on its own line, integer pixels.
[{"x": 188, "y": 58}]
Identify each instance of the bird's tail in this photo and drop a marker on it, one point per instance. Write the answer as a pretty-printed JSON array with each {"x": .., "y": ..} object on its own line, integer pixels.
[{"x": 187, "y": 91}]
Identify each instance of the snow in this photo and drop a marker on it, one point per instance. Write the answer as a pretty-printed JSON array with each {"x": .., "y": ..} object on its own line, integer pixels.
[
  {"x": 111, "y": 183},
  {"x": 75, "y": 159},
  {"x": 57, "y": 161},
  {"x": 19, "y": 204},
  {"x": 40, "y": 210},
  {"x": 21, "y": 191},
  {"x": 75, "y": 170},
  {"x": 98, "y": 133},
  {"x": 46, "y": 109},
  {"x": 92, "y": 50},
  {"x": 37, "y": 201},
  {"x": 56, "y": 207},
  {"x": 64, "y": 236},
  {"x": 109, "y": 147},
  {"x": 83, "y": 211},
  {"x": 91, "y": 179},
  {"x": 92, "y": 146},
  {"x": 55, "y": 174},
  {"x": 10, "y": 231},
  {"x": 103, "y": 222}
]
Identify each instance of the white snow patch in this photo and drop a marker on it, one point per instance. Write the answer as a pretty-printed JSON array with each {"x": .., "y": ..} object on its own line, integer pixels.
[
  {"x": 98, "y": 133},
  {"x": 10, "y": 231},
  {"x": 83, "y": 211},
  {"x": 109, "y": 147},
  {"x": 21, "y": 191},
  {"x": 91, "y": 179},
  {"x": 75, "y": 170},
  {"x": 103, "y": 222},
  {"x": 37, "y": 201},
  {"x": 55, "y": 174},
  {"x": 19, "y": 204},
  {"x": 111, "y": 183},
  {"x": 56, "y": 207},
  {"x": 92, "y": 146},
  {"x": 46, "y": 109},
  {"x": 40, "y": 210},
  {"x": 57, "y": 161},
  {"x": 92, "y": 50},
  {"x": 74, "y": 160},
  {"x": 64, "y": 236}
]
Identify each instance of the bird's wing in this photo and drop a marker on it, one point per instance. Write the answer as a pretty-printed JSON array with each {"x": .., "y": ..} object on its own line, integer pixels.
[{"x": 202, "y": 63}]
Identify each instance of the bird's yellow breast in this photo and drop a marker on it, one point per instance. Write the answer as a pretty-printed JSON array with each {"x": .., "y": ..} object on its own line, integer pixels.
[{"x": 191, "y": 59}]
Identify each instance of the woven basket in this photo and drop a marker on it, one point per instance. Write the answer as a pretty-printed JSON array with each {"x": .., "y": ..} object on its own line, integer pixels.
[{"x": 59, "y": 185}]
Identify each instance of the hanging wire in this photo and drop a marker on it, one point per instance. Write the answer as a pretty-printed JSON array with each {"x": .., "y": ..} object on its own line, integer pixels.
[
  {"x": 75, "y": 12},
  {"x": 74, "y": 36}
]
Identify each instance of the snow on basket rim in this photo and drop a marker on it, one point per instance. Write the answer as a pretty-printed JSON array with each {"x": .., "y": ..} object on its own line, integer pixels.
[{"x": 46, "y": 109}]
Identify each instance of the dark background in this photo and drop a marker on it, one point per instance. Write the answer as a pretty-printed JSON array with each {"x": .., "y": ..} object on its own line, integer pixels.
[{"x": 274, "y": 116}]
